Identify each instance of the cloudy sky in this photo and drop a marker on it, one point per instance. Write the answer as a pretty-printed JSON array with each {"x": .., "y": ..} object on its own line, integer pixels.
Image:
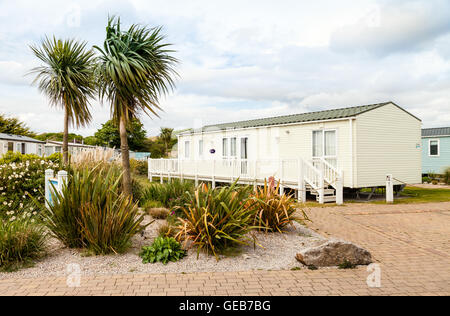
[{"x": 252, "y": 58}]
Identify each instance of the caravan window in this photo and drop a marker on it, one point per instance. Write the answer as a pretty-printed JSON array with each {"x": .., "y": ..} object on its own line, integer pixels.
[
  {"x": 317, "y": 143},
  {"x": 200, "y": 148},
  {"x": 434, "y": 147},
  {"x": 225, "y": 147},
  {"x": 233, "y": 147},
  {"x": 186, "y": 149}
]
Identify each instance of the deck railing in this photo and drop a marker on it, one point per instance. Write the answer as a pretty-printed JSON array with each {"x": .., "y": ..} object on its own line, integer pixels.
[{"x": 291, "y": 173}]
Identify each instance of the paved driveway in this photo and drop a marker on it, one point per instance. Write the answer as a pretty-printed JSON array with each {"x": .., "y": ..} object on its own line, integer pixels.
[{"x": 411, "y": 243}]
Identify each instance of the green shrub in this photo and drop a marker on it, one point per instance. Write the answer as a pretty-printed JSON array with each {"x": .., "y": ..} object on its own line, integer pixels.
[
  {"x": 163, "y": 249},
  {"x": 139, "y": 167},
  {"x": 272, "y": 210},
  {"x": 173, "y": 193},
  {"x": 426, "y": 180},
  {"x": 21, "y": 240},
  {"x": 216, "y": 219},
  {"x": 137, "y": 190},
  {"x": 158, "y": 213},
  {"x": 16, "y": 157},
  {"x": 21, "y": 180},
  {"x": 90, "y": 211},
  {"x": 149, "y": 204},
  {"x": 166, "y": 230},
  {"x": 447, "y": 176}
]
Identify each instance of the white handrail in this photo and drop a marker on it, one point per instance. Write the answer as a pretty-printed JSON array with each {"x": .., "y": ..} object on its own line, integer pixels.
[{"x": 318, "y": 174}]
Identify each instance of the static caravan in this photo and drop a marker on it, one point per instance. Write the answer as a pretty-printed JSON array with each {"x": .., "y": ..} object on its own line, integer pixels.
[
  {"x": 21, "y": 144},
  {"x": 436, "y": 150},
  {"x": 321, "y": 152},
  {"x": 52, "y": 147}
]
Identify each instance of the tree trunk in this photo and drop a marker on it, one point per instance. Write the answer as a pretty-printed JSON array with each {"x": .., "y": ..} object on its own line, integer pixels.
[
  {"x": 126, "y": 181},
  {"x": 65, "y": 146}
]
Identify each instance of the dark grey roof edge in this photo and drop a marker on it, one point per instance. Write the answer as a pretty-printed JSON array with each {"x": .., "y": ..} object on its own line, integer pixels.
[
  {"x": 376, "y": 105},
  {"x": 373, "y": 107},
  {"x": 436, "y": 132},
  {"x": 20, "y": 138}
]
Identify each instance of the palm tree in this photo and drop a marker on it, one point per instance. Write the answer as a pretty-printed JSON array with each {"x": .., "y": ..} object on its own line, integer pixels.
[
  {"x": 135, "y": 69},
  {"x": 67, "y": 78},
  {"x": 166, "y": 137}
]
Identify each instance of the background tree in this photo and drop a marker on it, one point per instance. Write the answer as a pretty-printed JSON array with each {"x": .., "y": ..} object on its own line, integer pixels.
[
  {"x": 166, "y": 136},
  {"x": 60, "y": 136},
  {"x": 12, "y": 125},
  {"x": 135, "y": 69},
  {"x": 67, "y": 79},
  {"x": 109, "y": 135}
]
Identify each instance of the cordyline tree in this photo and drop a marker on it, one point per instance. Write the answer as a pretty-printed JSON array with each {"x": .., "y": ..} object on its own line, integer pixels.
[
  {"x": 135, "y": 69},
  {"x": 67, "y": 78},
  {"x": 12, "y": 125},
  {"x": 166, "y": 137}
]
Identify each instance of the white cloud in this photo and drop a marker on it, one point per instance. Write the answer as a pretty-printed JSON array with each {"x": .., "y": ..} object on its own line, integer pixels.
[{"x": 250, "y": 59}]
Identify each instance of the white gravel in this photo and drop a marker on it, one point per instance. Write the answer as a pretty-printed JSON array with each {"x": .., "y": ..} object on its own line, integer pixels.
[{"x": 278, "y": 254}]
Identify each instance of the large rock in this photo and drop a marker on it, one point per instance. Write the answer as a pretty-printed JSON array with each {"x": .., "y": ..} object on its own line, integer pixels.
[{"x": 333, "y": 253}]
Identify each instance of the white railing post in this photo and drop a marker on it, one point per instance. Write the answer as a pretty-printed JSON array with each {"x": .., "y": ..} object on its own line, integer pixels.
[
  {"x": 301, "y": 191},
  {"x": 196, "y": 172},
  {"x": 321, "y": 187},
  {"x": 48, "y": 175},
  {"x": 214, "y": 174},
  {"x": 281, "y": 177},
  {"x": 255, "y": 175},
  {"x": 389, "y": 189},
  {"x": 62, "y": 179},
  {"x": 340, "y": 188},
  {"x": 150, "y": 178},
  {"x": 170, "y": 166},
  {"x": 162, "y": 168},
  {"x": 180, "y": 167}
]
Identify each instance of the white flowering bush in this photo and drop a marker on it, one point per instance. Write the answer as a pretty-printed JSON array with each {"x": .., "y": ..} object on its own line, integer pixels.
[
  {"x": 22, "y": 239},
  {"x": 20, "y": 180}
]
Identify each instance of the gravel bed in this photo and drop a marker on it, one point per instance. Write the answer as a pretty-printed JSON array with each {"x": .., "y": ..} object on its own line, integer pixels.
[{"x": 278, "y": 254}]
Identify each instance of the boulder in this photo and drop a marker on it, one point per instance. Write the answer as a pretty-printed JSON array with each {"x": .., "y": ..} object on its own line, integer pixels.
[{"x": 333, "y": 253}]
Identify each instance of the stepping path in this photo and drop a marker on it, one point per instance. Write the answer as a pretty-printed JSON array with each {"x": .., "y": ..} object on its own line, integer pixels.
[{"x": 410, "y": 242}]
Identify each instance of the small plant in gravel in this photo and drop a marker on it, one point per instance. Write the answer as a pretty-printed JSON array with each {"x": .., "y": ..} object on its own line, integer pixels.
[
  {"x": 22, "y": 240},
  {"x": 166, "y": 230},
  {"x": 163, "y": 249},
  {"x": 272, "y": 210},
  {"x": 217, "y": 218},
  {"x": 158, "y": 213},
  {"x": 173, "y": 193}
]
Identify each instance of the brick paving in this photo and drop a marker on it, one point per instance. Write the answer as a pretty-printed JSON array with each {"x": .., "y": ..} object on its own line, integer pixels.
[{"x": 411, "y": 243}]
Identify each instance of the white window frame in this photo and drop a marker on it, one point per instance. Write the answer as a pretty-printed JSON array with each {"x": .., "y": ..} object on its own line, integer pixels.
[
  {"x": 225, "y": 151},
  {"x": 200, "y": 148},
  {"x": 323, "y": 144},
  {"x": 235, "y": 147},
  {"x": 187, "y": 149},
  {"x": 438, "y": 145}
]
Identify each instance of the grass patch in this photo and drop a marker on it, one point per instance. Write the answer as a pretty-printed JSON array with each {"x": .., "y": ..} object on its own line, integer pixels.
[
  {"x": 420, "y": 195},
  {"x": 158, "y": 213}
]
